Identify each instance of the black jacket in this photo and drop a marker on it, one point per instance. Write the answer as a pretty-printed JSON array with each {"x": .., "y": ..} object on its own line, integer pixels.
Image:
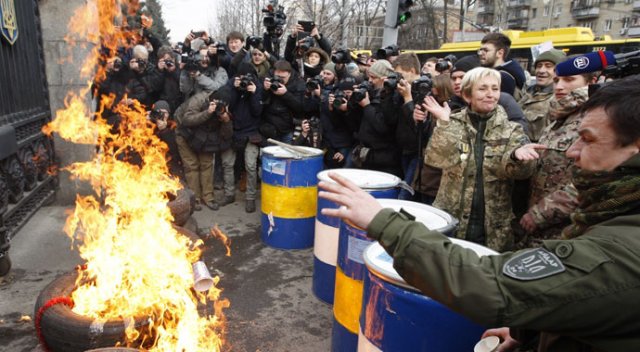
[
  {"x": 246, "y": 109},
  {"x": 283, "y": 111}
]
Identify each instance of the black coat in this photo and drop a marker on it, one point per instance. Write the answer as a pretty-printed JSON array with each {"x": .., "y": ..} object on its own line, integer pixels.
[{"x": 283, "y": 111}]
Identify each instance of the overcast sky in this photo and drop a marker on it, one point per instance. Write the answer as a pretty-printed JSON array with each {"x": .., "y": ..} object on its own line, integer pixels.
[{"x": 181, "y": 16}]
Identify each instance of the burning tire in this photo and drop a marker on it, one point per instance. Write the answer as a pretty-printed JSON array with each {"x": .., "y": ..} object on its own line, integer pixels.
[
  {"x": 64, "y": 330},
  {"x": 181, "y": 206}
]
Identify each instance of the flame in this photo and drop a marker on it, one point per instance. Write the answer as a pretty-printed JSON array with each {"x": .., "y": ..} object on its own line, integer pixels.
[{"x": 137, "y": 264}]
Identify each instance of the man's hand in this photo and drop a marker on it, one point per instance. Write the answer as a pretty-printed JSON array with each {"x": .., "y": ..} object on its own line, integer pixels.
[
  {"x": 420, "y": 113},
  {"x": 364, "y": 102},
  {"x": 281, "y": 91},
  {"x": 338, "y": 157},
  {"x": 212, "y": 49},
  {"x": 225, "y": 117},
  {"x": 356, "y": 205},
  {"x": 529, "y": 151},
  {"x": 146, "y": 21},
  {"x": 315, "y": 33},
  {"x": 161, "y": 124},
  {"x": 194, "y": 74},
  {"x": 507, "y": 344},
  {"x": 404, "y": 88},
  {"x": 267, "y": 84},
  {"x": 528, "y": 224},
  {"x": 251, "y": 88}
]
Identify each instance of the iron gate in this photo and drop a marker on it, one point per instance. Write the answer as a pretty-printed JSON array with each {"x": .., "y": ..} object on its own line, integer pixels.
[{"x": 26, "y": 155}]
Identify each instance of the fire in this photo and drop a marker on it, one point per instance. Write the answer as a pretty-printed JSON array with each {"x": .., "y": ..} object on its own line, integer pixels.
[{"x": 137, "y": 264}]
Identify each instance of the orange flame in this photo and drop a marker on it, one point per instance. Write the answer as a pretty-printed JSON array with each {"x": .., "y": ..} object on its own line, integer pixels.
[
  {"x": 215, "y": 232},
  {"x": 137, "y": 264}
]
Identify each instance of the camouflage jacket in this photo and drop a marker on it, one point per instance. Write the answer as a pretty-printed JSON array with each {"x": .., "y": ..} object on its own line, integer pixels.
[
  {"x": 450, "y": 149},
  {"x": 553, "y": 197},
  {"x": 535, "y": 105}
]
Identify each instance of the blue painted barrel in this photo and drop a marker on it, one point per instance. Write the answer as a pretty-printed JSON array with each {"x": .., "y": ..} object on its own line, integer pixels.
[
  {"x": 289, "y": 192},
  {"x": 325, "y": 248},
  {"x": 397, "y": 317},
  {"x": 351, "y": 270}
]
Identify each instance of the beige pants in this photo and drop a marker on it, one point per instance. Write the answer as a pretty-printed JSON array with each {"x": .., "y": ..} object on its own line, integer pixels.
[{"x": 198, "y": 170}]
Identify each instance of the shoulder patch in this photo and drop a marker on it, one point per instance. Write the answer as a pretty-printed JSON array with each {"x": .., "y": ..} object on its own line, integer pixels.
[{"x": 533, "y": 264}]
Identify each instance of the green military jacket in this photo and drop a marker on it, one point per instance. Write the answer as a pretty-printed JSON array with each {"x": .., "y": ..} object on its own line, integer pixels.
[
  {"x": 451, "y": 149},
  {"x": 535, "y": 105},
  {"x": 581, "y": 293}
]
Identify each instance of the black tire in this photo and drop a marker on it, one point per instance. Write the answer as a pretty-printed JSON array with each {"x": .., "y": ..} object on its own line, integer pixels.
[
  {"x": 114, "y": 349},
  {"x": 66, "y": 331},
  {"x": 4, "y": 194},
  {"x": 180, "y": 206}
]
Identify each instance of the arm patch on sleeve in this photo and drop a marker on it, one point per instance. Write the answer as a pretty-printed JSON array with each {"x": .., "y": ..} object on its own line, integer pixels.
[{"x": 533, "y": 264}]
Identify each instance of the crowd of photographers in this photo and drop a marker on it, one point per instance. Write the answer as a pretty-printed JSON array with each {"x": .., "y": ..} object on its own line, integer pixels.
[{"x": 216, "y": 101}]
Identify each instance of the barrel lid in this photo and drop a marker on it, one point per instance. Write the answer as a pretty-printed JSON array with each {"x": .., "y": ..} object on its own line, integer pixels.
[
  {"x": 366, "y": 179},
  {"x": 280, "y": 152},
  {"x": 433, "y": 218},
  {"x": 380, "y": 263}
]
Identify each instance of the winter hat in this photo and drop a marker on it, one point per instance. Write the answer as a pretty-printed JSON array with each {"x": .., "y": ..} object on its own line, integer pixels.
[
  {"x": 347, "y": 83},
  {"x": 554, "y": 55},
  {"x": 161, "y": 105},
  {"x": 222, "y": 95},
  {"x": 381, "y": 68},
  {"x": 330, "y": 67},
  {"x": 466, "y": 64},
  {"x": 246, "y": 68}
]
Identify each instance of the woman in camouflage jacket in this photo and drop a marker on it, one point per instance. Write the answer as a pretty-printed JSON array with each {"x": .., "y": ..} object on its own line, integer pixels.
[{"x": 478, "y": 173}]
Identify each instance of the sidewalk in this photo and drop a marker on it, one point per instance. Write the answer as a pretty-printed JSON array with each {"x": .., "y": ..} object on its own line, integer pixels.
[{"x": 272, "y": 306}]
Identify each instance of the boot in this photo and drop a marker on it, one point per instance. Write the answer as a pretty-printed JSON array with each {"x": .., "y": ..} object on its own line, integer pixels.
[
  {"x": 228, "y": 200},
  {"x": 250, "y": 206}
]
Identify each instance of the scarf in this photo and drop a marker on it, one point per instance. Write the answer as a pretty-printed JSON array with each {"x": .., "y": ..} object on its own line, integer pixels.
[
  {"x": 560, "y": 109},
  {"x": 604, "y": 195}
]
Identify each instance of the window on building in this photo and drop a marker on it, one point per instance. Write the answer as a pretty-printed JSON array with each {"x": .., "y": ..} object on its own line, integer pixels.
[
  {"x": 607, "y": 25},
  {"x": 558, "y": 10},
  {"x": 545, "y": 12},
  {"x": 625, "y": 22},
  {"x": 534, "y": 12}
]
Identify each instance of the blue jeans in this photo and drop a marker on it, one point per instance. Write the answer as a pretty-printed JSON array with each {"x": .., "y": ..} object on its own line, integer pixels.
[{"x": 409, "y": 166}]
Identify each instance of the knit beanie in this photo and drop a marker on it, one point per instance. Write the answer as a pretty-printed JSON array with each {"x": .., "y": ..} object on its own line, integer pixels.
[
  {"x": 381, "y": 68},
  {"x": 161, "y": 105},
  {"x": 554, "y": 55},
  {"x": 466, "y": 64},
  {"x": 330, "y": 67}
]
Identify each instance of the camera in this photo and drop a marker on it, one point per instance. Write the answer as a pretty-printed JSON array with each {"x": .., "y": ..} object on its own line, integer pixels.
[
  {"x": 341, "y": 56},
  {"x": 169, "y": 63},
  {"x": 192, "y": 63},
  {"x": 246, "y": 80},
  {"x": 305, "y": 43},
  {"x": 117, "y": 64},
  {"x": 340, "y": 99},
  {"x": 254, "y": 41},
  {"x": 221, "y": 49},
  {"x": 274, "y": 19},
  {"x": 391, "y": 83},
  {"x": 386, "y": 52},
  {"x": 314, "y": 83},
  {"x": 420, "y": 88},
  {"x": 156, "y": 115},
  {"x": 276, "y": 83},
  {"x": 446, "y": 63},
  {"x": 360, "y": 92}
]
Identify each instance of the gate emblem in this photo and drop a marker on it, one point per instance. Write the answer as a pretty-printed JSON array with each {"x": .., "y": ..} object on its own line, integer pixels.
[{"x": 8, "y": 21}]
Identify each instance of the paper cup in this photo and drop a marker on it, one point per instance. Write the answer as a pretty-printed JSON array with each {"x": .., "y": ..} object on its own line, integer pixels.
[
  {"x": 488, "y": 344},
  {"x": 202, "y": 280}
]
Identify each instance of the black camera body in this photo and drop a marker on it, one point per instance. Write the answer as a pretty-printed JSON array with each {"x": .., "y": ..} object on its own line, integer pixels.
[
  {"x": 254, "y": 41},
  {"x": 274, "y": 19},
  {"x": 339, "y": 99},
  {"x": 360, "y": 92},
  {"x": 117, "y": 64},
  {"x": 391, "y": 83},
  {"x": 306, "y": 43},
  {"x": 192, "y": 63},
  {"x": 314, "y": 83},
  {"x": 246, "y": 81},
  {"x": 341, "y": 56},
  {"x": 386, "y": 52},
  {"x": 221, "y": 49},
  {"x": 421, "y": 88},
  {"x": 156, "y": 115},
  {"x": 169, "y": 63},
  {"x": 276, "y": 83},
  {"x": 446, "y": 63}
]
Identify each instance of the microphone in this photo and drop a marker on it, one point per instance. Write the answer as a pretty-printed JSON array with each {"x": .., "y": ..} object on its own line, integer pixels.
[{"x": 587, "y": 63}]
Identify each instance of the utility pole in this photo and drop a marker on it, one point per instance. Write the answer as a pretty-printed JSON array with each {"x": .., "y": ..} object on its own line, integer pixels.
[{"x": 390, "y": 33}]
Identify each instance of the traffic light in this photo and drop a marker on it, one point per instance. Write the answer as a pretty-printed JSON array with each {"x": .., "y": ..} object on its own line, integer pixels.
[{"x": 403, "y": 12}]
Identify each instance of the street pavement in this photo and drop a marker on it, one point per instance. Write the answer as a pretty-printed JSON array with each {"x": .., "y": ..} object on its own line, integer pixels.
[{"x": 272, "y": 306}]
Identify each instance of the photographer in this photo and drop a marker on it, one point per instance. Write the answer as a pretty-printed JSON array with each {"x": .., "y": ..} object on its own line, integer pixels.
[
  {"x": 378, "y": 149},
  {"x": 171, "y": 77},
  {"x": 199, "y": 75},
  {"x": 389, "y": 53},
  {"x": 296, "y": 48},
  {"x": 255, "y": 53},
  {"x": 262, "y": 62},
  {"x": 205, "y": 128},
  {"x": 246, "y": 107},
  {"x": 160, "y": 115},
  {"x": 115, "y": 82},
  {"x": 283, "y": 103},
  {"x": 344, "y": 123},
  {"x": 144, "y": 81}
]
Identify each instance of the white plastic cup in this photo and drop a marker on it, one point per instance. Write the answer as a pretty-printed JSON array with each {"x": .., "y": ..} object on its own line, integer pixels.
[
  {"x": 488, "y": 344},
  {"x": 202, "y": 280}
]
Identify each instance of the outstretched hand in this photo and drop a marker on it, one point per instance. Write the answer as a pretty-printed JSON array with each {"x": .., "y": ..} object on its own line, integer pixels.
[
  {"x": 356, "y": 205},
  {"x": 529, "y": 151}
]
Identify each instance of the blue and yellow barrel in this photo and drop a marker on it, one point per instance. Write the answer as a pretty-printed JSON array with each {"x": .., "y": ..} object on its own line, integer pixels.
[
  {"x": 289, "y": 197},
  {"x": 397, "y": 317},
  {"x": 351, "y": 270},
  {"x": 325, "y": 248}
]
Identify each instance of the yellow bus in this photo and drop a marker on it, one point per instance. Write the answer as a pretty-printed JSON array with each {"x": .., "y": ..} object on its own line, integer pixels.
[{"x": 572, "y": 40}]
